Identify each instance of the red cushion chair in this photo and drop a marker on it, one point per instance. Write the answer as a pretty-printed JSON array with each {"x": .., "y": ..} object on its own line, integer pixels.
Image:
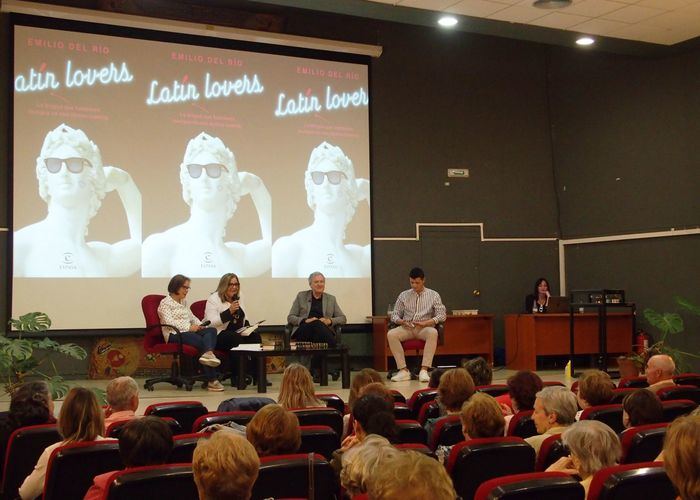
[
  {"x": 687, "y": 379},
  {"x": 287, "y": 476},
  {"x": 185, "y": 412},
  {"x": 430, "y": 409},
  {"x": 533, "y": 486},
  {"x": 620, "y": 393},
  {"x": 71, "y": 467},
  {"x": 410, "y": 431},
  {"x": 398, "y": 397},
  {"x": 320, "y": 416},
  {"x": 522, "y": 425},
  {"x": 552, "y": 383},
  {"x": 494, "y": 390},
  {"x": 402, "y": 411},
  {"x": 447, "y": 432},
  {"x": 24, "y": 448},
  {"x": 611, "y": 415},
  {"x": 319, "y": 439},
  {"x": 183, "y": 447},
  {"x": 679, "y": 392},
  {"x": 154, "y": 343},
  {"x": 636, "y": 382},
  {"x": 115, "y": 428},
  {"x": 676, "y": 408},
  {"x": 222, "y": 417},
  {"x": 333, "y": 401},
  {"x": 551, "y": 450},
  {"x": 419, "y": 398},
  {"x": 642, "y": 443},
  {"x": 419, "y": 447},
  {"x": 152, "y": 481},
  {"x": 632, "y": 482},
  {"x": 474, "y": 462}
]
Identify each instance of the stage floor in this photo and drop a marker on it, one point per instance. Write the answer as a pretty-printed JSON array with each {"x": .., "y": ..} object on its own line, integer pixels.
[{"x": 165, "y": 392}]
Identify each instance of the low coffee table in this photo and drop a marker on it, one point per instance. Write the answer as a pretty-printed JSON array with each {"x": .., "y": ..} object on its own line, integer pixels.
[{"x": 254, "y": 351}]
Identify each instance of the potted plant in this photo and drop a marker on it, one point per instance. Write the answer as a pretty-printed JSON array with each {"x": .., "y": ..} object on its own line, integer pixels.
[
  {"x": 29, "y": 357},
  {"x": 669, "y": 324}
]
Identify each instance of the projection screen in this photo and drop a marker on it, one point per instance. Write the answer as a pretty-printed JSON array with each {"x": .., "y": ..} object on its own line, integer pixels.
[{"x": 135, "y": 159}]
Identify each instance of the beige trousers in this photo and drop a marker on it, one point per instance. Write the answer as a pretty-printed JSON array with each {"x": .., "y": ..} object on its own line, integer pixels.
[{"x": 402, "y": 333}]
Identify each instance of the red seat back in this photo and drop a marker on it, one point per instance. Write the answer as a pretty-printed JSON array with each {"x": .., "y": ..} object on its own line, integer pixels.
[
  {"x": 430, "y": 409},
  {"x": 183, "y": 447},
  {"x": 632, "y": 482},
  {"x": 636, "y": 382},
  {"x": 154, "y": 334},
  {"x": 611, "y": 415},
  {"x": 320, "y": 416},
  {"x": 620, "y": 393},
  {"x": 533, "y": 486},
  {"x": 319, "y": 439},
  {"x": 474, "y": 462},
  {"x": 198, "y": 308},
  {"x": 222, "y": 417},
  {"x": 333, "y": 401},
  {"x": 153, "y": 481},
  {"x": 419, "y": 398},
  {"x": 24, "y": 448},
  {"x": 679, "y": 392},
  {"x": 642, "y": 443},
  {"x": 447, "y": 431},
  {"x": 522, "y": 425},
  {"x": 676, "y": 408},
  {"x": 494, "y": 390},
  {"x": 410, "y": 431},
  {"x": 287, "y": 476},
  {"x": 551, "y": 450},
  {"x": 398, "y": 397},
  {"x": 185, "y": 412},
  {"x": 71, "y": 468},
  {"x": 687, "y": 379}
]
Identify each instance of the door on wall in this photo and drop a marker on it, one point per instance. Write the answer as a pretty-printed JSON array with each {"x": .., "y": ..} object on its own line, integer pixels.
[{"x": 450, "y": 259}]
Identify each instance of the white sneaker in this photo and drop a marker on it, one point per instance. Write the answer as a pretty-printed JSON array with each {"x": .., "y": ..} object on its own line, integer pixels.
[
  {"x": 401, "y": 376},
  {"x": 215, "y": 386},
  {"x": 423, "y": 376},
  {"x": 209, "y": 360}
]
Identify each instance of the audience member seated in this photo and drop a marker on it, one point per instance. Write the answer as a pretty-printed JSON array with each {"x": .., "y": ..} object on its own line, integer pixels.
[
  {"x": 594, "y": 388},
  {"x": 225, "y": 466},
  {"x": 173, "y": 311},
  {"x": 592, "y": 447},
  {"x": 660, "y": 371},
  {"x": 410, "y": 475},
  {"x": 362, "y": 465},
  {"x": 371, "y": 415},
  {"x": 435, "y": 375},
  {"x": 641, "y": 407},
  {"x": 681, "y": 456},
  {"x": 555, "y": 410},
  {"x": 274, "y": 431},
  {"x": 480, "y": 371},
  {"x": 30, "y": 404},
  {"x": 142, "y": 441},
  {"x": 80, "y": 419},
  {"x": 377, "y": 389},
  {"x": 362, "y": 378},
  {"x": 123, "y": 400},
  {"x": 456, "y": 387},
  {"x": 522, "y": 388},
  {"x": 297, "y": 388},
  {"x": 481, "y": 417}
]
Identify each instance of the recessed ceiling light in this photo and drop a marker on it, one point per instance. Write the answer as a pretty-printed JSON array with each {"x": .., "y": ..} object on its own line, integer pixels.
[
  {"x": 447, "y": 21},
  {"x": 551, "y": 4},
  {"x": 585, "y": 40}
]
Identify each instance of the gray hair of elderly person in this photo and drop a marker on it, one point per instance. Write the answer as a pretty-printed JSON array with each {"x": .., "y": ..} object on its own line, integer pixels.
[
  {"x": 314, "y": 274},
  {"x": 559, "y": 400},
  {"x": 594, "y": 444},
  {"x": 360, "y": 462},
  {"x": 120, "y": 392}
]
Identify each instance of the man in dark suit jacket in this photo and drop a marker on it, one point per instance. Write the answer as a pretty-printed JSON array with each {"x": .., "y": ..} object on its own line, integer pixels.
[{"x": 314, "y": 313}]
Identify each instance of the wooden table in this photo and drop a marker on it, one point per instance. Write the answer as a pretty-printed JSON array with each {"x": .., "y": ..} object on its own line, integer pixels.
[
  {"x": 532, "y": 335},
  {"x": 463, "y": 335}
]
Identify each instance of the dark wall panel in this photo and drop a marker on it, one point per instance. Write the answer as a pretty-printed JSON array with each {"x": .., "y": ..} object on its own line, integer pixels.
[{"x": 651, "y": 272}]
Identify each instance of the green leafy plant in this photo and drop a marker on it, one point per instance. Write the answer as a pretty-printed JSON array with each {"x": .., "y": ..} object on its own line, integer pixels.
[
  {"x": 669, "y": 324},
  {"x": 29, "y": 357}
]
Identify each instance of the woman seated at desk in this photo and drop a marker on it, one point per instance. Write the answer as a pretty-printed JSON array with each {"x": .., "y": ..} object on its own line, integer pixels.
[{"x": 538, "y": 301}]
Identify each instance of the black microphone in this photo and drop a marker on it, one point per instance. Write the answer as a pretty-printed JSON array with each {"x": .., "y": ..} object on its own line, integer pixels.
[
  {"x": 235, "y": 298},
  {"x": 205, "y": 323}
]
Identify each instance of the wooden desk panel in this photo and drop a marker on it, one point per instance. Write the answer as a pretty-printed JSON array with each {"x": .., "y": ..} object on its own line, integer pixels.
[
  {"x": 532, "y": 335},
  {"x": 463, "y": 335}
]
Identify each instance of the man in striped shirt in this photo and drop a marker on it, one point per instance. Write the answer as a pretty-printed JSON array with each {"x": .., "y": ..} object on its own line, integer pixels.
[{"x": 417, "y": 311}]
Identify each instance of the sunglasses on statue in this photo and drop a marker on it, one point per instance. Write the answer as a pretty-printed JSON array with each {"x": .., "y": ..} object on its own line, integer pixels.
[
  {"x": 74, "y": 165},
  {"x": 213, "y": 170},
  {"x": 334, "y": 177}
]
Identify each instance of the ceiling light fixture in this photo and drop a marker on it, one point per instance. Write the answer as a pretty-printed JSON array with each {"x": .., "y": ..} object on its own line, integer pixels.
[
  {"x": 447, "y": 21},
  {"x": 551, "y": 4},
  {"x": 585, "y": 41}
]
